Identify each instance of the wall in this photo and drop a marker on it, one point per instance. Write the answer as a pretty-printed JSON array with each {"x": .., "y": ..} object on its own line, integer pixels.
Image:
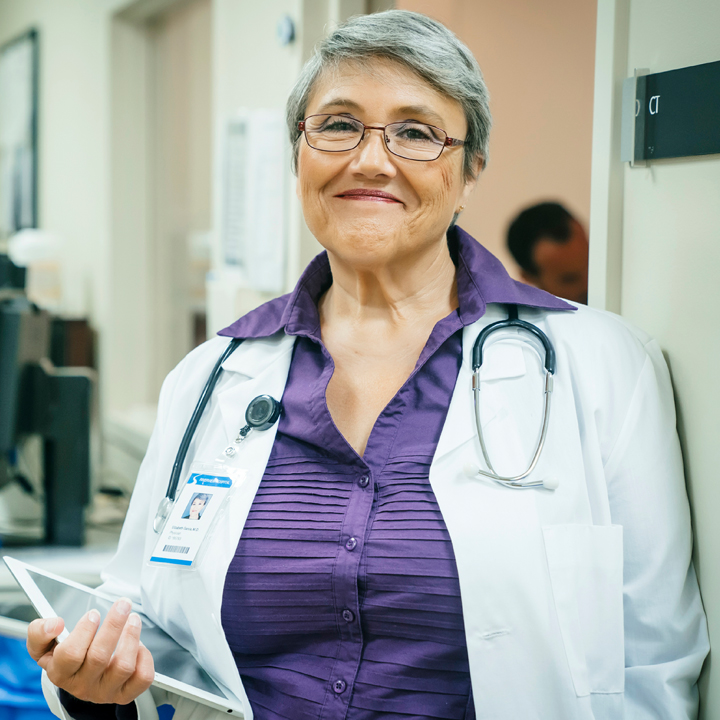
[
  {"x": 73, "y": 136},
  {"x": 670, "y": 261},
  {"x": 538, "y": 61},
  {"x": 251, "y": 70}
]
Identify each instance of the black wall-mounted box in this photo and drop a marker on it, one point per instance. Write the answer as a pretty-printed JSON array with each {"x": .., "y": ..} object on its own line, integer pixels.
[{"x": 672, "y": 114}]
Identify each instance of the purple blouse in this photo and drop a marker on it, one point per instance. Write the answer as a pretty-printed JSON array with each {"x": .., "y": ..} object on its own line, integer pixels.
[{"x": 342, "y": 600}]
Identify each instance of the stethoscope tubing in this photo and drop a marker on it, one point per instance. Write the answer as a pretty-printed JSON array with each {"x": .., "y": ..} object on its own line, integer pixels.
[
  {"x": 513, "y": 481},
  {"x": 195, "y": 418}
]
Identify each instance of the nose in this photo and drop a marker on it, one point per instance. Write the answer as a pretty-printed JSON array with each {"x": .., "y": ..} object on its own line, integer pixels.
[{"x": 372, "y": 158}]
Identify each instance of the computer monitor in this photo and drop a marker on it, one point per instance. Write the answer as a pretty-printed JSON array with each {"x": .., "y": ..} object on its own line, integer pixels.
[
  {"x": 37, "y": 398},
  {"x": 24, "y": 340}
]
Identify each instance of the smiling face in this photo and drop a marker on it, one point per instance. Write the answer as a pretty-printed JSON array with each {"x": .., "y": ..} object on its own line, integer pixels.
[{"x": 366, "y": 206}]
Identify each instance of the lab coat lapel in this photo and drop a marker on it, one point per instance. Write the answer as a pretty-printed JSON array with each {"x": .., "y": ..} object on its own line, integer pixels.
[
  {"x": 497, "y": 539},
  {"x": 256, "y": 368}
]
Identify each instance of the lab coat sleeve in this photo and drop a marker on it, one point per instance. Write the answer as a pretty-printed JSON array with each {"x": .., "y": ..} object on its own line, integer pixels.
[
  {"x": 121, "y": 577},
  {"x": 665, "y": 629}
]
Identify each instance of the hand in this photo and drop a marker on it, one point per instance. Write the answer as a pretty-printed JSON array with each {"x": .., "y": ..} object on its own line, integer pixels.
[{"x": 100, "y": 665}]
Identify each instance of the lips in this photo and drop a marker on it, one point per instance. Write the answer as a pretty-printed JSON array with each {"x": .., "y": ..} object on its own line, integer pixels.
[{"x": 368, "y": 194}]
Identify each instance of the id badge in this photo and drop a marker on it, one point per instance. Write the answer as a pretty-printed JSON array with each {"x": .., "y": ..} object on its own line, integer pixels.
[{"x": 195, "y": 514}]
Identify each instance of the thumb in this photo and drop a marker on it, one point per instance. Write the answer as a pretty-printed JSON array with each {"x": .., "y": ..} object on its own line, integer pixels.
[{"x": 42, "y": 636}]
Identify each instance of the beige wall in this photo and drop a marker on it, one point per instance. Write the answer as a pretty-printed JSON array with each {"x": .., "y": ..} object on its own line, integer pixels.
[{"x": 538, "y": 61}]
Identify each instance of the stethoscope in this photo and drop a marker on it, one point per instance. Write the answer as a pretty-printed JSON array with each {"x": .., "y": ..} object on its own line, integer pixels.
[
  {"x": 261, "y": 414},
  {"x": 264, "y": 411},
  {"x": 513, "y": 481}
]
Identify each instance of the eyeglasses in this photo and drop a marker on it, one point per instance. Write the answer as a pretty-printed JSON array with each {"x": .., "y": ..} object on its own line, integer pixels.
[{"x": 409, "y": 140}]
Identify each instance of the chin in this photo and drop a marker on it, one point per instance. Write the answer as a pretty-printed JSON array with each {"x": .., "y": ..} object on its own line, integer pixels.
[{"x": 367, "y": 245}]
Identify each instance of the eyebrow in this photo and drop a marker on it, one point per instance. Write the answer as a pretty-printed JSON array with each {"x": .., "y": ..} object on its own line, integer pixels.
[
  {"x": 408, "y": 111},
  {"x": 339, "y": 102}
]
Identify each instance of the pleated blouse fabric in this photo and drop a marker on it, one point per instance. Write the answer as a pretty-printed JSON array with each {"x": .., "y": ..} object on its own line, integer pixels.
[{"x": 343, "y": 600}]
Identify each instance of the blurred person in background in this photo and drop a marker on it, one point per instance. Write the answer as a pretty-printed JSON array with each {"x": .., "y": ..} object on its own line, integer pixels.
[{"x": 551, "y": 248}]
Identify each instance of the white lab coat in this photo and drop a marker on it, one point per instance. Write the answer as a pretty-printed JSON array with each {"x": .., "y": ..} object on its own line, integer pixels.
[{"x": 578, "y": 603}]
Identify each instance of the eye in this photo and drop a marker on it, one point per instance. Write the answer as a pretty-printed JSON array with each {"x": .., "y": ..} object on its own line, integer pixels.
[
  {"x": 338, "y": 125},
  {"x": 417, "y": 133}
]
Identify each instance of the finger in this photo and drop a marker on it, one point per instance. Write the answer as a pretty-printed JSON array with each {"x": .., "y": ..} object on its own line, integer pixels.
[
  {"x": 124, "y": 661},
  {"x": 68, "y": 657},
  {"x": 141, "y": 679},
  {"x": 42, "y": 635},
  {"x": 100, "y": 652}
]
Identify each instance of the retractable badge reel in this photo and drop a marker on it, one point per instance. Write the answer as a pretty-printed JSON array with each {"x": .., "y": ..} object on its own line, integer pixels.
[
  {"x": 187, "y": 521},
  {"x": 261, "y": 414}
]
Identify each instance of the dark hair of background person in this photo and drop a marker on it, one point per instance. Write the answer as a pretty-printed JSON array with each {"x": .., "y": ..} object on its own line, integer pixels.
[
  {"x": 546, "y": 220},
  {"x": 551, "y": 247}
]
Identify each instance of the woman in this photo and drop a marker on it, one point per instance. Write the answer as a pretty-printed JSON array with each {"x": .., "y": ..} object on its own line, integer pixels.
[
  {"x": 360, "y": 572},
  {"x": 197, "y": 505}
]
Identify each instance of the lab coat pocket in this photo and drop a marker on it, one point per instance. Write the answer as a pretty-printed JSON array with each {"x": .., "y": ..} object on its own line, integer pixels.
[{"x": 586, "y": 573}]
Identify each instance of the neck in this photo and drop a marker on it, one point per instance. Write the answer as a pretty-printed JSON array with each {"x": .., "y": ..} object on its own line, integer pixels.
[{"x": 420, "y": 287}]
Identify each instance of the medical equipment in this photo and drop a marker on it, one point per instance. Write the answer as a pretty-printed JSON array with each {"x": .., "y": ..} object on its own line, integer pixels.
[
  {"x": 513, "y": 481},
  {"x": 261, "y": 414}
]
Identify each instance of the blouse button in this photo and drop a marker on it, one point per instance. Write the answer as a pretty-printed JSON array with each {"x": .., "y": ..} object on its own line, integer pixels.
[
  {"x": 339, "y": 686},
  {"x": 351, "y": 544},
  {"x": 348, "y": 615},
  {"x": 364, "y": 481}
]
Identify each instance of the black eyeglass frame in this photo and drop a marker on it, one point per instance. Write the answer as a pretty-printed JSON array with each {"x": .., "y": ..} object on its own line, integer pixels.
[{"x": 449, "y": 142}]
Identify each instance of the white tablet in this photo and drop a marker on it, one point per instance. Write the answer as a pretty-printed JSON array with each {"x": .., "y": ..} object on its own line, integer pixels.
[{"x": 176, "y": 670}]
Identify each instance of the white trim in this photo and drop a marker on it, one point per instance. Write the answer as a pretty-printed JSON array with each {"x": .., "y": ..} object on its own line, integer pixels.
[{"x": 607, "y": 173}]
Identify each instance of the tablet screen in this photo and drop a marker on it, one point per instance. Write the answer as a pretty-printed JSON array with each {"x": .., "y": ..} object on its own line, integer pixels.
[{"x": 171, "y": 659}]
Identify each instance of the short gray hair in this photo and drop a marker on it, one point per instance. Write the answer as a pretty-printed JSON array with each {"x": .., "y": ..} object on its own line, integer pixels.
[{"x": 420, "y": 43}]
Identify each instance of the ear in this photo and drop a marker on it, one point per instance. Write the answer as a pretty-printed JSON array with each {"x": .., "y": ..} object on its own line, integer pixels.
[
  {"x": 467, "y": 191},
  {"x": 472, "y": 182}
]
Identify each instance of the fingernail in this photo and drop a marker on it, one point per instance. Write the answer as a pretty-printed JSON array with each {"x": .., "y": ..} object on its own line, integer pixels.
[
  {"x": 50, "y": 625},
  {"x": 94, "y": 617},
  {"x": 123, "y": 606},
  {"x": 134, "y": 620}
]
